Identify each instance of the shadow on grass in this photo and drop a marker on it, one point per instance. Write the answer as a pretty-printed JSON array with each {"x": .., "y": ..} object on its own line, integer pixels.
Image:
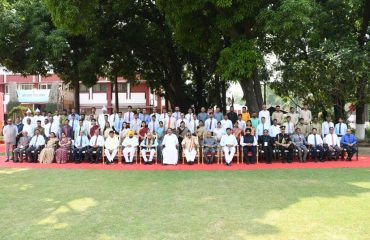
[{"x": 189, "y": 204}]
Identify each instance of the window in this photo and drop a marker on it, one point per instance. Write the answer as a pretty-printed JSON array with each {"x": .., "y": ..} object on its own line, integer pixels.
[
  {"x": 6, "y": 89},
  {"x": 122, "y": 87},
  {"x": 45, "y": 86},
  {"x": 83, "y": 88},
  {"x": 25, "y": 86},
  {"x": 100, "y": 87}
]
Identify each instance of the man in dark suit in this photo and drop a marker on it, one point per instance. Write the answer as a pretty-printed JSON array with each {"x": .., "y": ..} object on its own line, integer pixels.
[
  {"x": 249, "y": 144},
  {"x": 266, "y": 143}
]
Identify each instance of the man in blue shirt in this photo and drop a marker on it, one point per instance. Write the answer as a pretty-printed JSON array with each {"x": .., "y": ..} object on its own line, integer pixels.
[{"x": 349, "y": 143}]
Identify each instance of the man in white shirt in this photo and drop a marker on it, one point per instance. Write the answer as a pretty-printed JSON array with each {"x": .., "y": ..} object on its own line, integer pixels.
[
  {"x": 210, "y": 123},
  {"x": 39, "y": 117},
  {"x": 28, "y": 127},
  {"x": 130, "y": 145},
  {"x": 266, "y": 114},
  {"x": 218, "y": 132},
  {"x": 226, "y": 123},
  {"x": 163, "y": 115},
  {"x": 153, "y": 124},
  {"x": 113, "y": 120},
  {"x": 111, "y": 147},
  {"x": 135, "y": 123},
  {"x": 34, "y": 148},
  {"x": 177, "y": 113},
  {"x": 241, "y": 123},
  {"x": 326, "y": 126},
  {"x": 316, "y": 142},
  {"x": 28, "y": 116},
  {"x": 274, "y": 129},
  {"x": 193, "y": 124},
  {"x": 102, "y": 118},
  {"x": 189, "y": 115},
  {"x": 81, "y": 144},
  {"x": 306, "y": 115},
  {"x": 155, "y": 113},
  {"x": 340, "y": 128},
  {"x": 94, "y": 153},
  {"x": 289, "y": 125},
  {"x": 333, "y": 143},
  {"x": 228, "y": 144},
  {"x": 181, "y": 119},
  {"x": 169, "y": 122},
  {"x": 262, "y": 127},
  {"x": 74, "y": 124},
  {"x": 10, "y": 132}
]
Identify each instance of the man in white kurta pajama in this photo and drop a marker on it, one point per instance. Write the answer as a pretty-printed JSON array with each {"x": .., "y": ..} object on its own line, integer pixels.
[
  {"x": 189, "y": 145},
  {"x": 228, "y": 144},
  {"x": 130, "y": 144},
  {"x": 170, "y": 143}
]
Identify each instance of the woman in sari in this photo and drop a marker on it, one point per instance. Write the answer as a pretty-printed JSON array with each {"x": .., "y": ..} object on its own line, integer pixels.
[
  {"x": 124, "y": 132},
  {"x": 201, "y": 132},
  {"x": 47, "y": 153},
  {"x": 62, "y": 153},
  {"x": 107, "y": 129},
  {"x": 237, "y": 131},
  {"x": 143, "y": 131},
  {"x": 181, "y": 134},
  {"x": 249, "y": 125}
]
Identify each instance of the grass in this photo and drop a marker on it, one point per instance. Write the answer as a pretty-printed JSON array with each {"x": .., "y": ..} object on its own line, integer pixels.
[{"x": 265, "y": 204}]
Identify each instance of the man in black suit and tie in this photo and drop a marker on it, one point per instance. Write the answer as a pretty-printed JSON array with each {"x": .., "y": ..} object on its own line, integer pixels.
[{"x": 266, "y": 142}]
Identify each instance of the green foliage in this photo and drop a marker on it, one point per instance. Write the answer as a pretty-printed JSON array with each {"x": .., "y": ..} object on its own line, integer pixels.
[
  {"x": 51, "y": 107},
  {"x": 12, "y": 105},
  {"x": 17, "y": 111}
]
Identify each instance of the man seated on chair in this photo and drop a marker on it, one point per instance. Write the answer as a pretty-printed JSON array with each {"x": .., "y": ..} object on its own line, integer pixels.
[
  {"x": 130, "y": 144},
  {"x": 189, "y": 145},
  {"x": 96, "y": 145},
  {"x": 111, "y": 147},
  {"x": 210, "y": 145},
  {"x": 170, "y": 146},
  {"x": 266, "y": 141},
  {"x": 249, "y": 144},
  {"x": 315, "y": 140},
  {"x": 333, "y": 143},
  {"x": 81, "y": 143},
  {"x": 21, "y": 146},
  {"x": 33, "y": 150},
  {"x": 299, "y": 141},
  {"x": 349, "y": 143},
  {"x": 284, "y": 144},
  {"x": 149, "y": 145},
  {"x": 228, "y": 144}
]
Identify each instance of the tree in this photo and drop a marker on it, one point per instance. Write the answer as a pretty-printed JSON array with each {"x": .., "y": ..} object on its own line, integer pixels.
[
  {"x": 31, "y": 44},
  {"x": 226, "y": 30},
  {"x": 318, "y": 51}
]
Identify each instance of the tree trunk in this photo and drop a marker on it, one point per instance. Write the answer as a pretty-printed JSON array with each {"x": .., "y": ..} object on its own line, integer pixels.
[
  {"x": 257, "y": 89},
  {"x": 219, "y": 94},
  {"x": 76, "y": 90},
  {"x": 116, "y": 98},
  {"x": 223, "y": 96},
  {"x": 338, "y": 108},
  {"x": 197, "y": 70},
  {"x": 249, "y": 91}
]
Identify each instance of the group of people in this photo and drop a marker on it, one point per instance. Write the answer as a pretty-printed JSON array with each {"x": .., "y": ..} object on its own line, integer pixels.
[{"x": 171, "y": 135}]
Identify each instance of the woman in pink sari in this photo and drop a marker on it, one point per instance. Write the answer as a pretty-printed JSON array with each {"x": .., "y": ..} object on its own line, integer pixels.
[
  {"x": 237, "y": 131},
  {"x": 62, "y": 153}
]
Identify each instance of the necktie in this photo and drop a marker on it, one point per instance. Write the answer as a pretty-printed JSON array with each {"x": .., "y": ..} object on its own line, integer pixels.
[
  {"x": 195, "y": 128},
  {"x": 129, "y": 117},
  {"x": 300, "y": 139},
  {"x": 114, "y": 119},
  {"x": 210, "y": 125},
  {"x": 72, "y": 124},
  {"x": 169, "y": 123},
  {"x": 263, "y": 127},
  {"x": 153, "y": 127},
  {"x": 50, "y": 129},
  {"x": 340, "y": 128},
  {"x": 119, "y": 125},
  {"x": 332, "y": 139},
  {"x": 80, "y": 141},
  {"x": 315, "y": 140}
]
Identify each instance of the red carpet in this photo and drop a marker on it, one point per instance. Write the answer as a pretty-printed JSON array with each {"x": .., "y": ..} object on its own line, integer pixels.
[{"x": 363, "y": 161}]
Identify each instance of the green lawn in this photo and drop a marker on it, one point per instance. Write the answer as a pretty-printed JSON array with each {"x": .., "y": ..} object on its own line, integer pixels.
[{"x": 266, "y": 204}]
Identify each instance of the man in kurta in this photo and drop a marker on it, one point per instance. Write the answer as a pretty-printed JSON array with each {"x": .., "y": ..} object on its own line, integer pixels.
[
  {"x": 210, "y": 145},
  {"x": 148, "y": 145},
  {"x": 23, "y": 143},
  {"x": 111, "y": 147},
  {"x": 228, "y": 144},
  {"x": 170, "y": 145},
  {"x": 189, "y": 146},
  {"x": 10, "y": 132},
  {"x": 130, "y": 144}
]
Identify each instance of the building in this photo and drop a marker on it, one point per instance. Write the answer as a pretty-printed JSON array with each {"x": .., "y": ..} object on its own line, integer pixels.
[{"x": 37, "y": 91}]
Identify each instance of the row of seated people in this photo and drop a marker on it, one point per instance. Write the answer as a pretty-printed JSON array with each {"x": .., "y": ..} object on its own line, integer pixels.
[{"x": 37, "y": 149}]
